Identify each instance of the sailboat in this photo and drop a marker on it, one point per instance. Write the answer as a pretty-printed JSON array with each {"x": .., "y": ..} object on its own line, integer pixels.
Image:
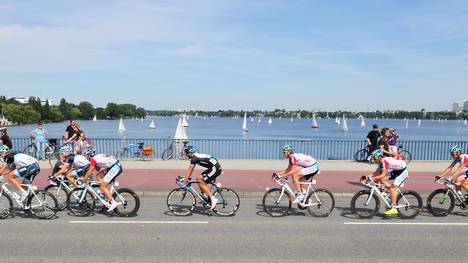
[
  {"x": 466, "y": 124},
  {"x": 291, "y": 120},
  {"x": 314, "y": 122},
  {"x": 184, "y": 121},
  {"x": 121, "y": 126},
  {"x": 95, "y": 118},
  {"x": 419, "y": 122},
  {"x": 338, "y": 121},
  {"x": 260, "y": 119},
  {"x": 152, "y": 125},
  {"x": 344, "y": 126},
  {"x": 406, "y": 124},
  {"x": 270, "y": 121},
  {"x": 363, "y": 123},
  {"x": 244, "y": 124}
]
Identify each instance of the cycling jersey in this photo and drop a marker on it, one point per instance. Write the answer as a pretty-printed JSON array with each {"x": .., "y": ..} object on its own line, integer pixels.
[
  {"x": 80, "y": 161},
  {"x": 392, "y": 164},
  {"x": 302, "y": 160},
  {"x": 463, "y": 160},
  {"x": 23, "y": 160},
  {"x": 103, "y": 161},
  {"x": 204, "y": 160}
]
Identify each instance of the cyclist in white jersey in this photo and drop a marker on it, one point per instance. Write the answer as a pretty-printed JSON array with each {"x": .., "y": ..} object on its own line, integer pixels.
[
  {"x": 18, "y": 165},
  {"x": 389, "y": 169},
  {"x": 79, "y": 167},
  {"x": 458, "y": 157},
  {"x": 300, "y": 167},
  {"x": 107, "y": 169}
]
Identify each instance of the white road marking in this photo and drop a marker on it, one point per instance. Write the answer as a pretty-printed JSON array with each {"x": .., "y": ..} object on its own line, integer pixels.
[
  {"x": 141, "y": 222},
  {"x": 405, "y": 224}
]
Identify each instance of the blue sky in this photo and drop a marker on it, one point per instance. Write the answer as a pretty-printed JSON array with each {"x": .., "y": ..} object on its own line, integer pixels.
[{"x": 328, "y": 55}]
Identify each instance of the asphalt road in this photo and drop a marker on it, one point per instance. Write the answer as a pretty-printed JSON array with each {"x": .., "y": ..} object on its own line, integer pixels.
[{"x": 251, "y": 236}]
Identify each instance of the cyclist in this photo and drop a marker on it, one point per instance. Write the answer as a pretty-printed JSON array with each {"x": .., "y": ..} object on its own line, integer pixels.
[
  {"x": 458, "y": 157},
  {"x": 61, "y": 166},
  {"x": 18, "y": 165},
  {"x": 107, "y": 168},
  {"x": 389, "y": 169},
  {"x": 79, "y": 167},
  {"x": 308, "y": 168},
  {"x": 213, "y": 170}
]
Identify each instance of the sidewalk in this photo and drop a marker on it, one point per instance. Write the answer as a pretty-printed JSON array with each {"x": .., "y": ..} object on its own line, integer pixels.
[{"x": 251, "y": 177}]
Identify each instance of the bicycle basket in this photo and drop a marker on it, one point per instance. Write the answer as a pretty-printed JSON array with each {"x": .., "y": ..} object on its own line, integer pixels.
[{"x": 147, "y": 150}]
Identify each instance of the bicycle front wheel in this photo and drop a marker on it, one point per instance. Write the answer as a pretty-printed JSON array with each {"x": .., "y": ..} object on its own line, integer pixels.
[
  {"x": 277, "y": 203},
  {"x": 363, "y": 205},
  {"x": 80, "y": 204},
  {"x": 181, "y": 202},
  {"x": 440, "y": 203},
  {"x": 410, "y": 204},
  {"x": 130, "y": 202},
  {"x": 406, "y": 156},
  {"x": 167, "y": 154},
  {"x": 60, "y": 194},
  {"x": 321, "y": 203},
  {"x": 361, "y": 155},
  {"x": 6, "y": 206},
  {"x": 43, "y": 205},
  {"x": 228, "y": 202}
]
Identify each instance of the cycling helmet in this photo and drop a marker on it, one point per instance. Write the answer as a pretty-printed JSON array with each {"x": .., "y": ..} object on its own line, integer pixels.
[
  {"x": 376, "y": 154},
  {"x": 190, "y": 149},
  {"x": 288, "y": 148},
  {"x": 455, "y": 149},
  {"x": 4, "y": 149},
  {"x": 65, "y": 149},
  {"x": 90, "y": 151}
]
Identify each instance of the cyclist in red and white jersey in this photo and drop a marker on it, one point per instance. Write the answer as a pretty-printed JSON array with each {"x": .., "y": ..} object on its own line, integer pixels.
[
  {"x": 301, "y": 167},
  {"x": 107, "y": 168},
  {"x": 462, "y": 159},
  {"x": 389, "y": 169}
]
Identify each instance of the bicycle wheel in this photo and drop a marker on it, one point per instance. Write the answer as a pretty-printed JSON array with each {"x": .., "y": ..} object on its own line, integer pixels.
[
  {"x": 440, "y": 202},
  {"x": 361, "y": 155},
  {"x": 80, "y": 205},
  {"x": 43, "y": 205},
  {"x": 322, "y": 203},
  {"x": 53, "y": 158},
  {"x": 406, "y": 156},
  {"x": 181, "y": 202},
  {"x": 276, "y": 203},
  {"x": 167, "y": 154},
  {"x": 30, "y": 150},
  {"x": 363, "y": 205},
  {"x": 6, "y": 206},
  {"x": 130, "y": 202},
  {"x": 228, "y": 203},
  {"x": 60, "y": 193},
  {"x": 412, "y": 202},
  {"x": 121, "y": 154}
]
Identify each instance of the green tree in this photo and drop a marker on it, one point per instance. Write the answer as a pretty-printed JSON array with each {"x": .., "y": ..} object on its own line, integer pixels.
[
  {"x": 101, "y": 113},
  {"x": 56, "y": 115},
  {"x": 87, "y": 110},
  {"x": 45, "y": 111},
  {"x": 140, "y": 112},
  {"x": 75, "y": 113},
  {"x": 113, "y": 110}
]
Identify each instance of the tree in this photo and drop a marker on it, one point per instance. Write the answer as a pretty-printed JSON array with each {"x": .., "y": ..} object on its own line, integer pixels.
[
  {"x": 140, "y": 112},
  {"x": 45, "y": 111},
  {"x": 75, "y": 113},
  {"x": 112, "y": 110},
  {"x": 101, "y": 113},
  {"x": 56, "y": 115},
  {"x": 87, "y": 110},
  {"x": 64, "y": 108}
]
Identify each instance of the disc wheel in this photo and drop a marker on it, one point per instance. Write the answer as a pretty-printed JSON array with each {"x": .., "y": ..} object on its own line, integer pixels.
[
  {"x": 320, "y": 204},
  {"x": 130, "y": 202},
  {"x": 440, "y": 203},
  {"x": 60, "y": 194},
  {"x": 181, "y": 202},
  {"x": 363, "y": 205},
  {"x": 43, "y": 205},
  {"x": 276, "y": 203},
  {"x": 412, "y": 203},
  {"x": 228, "y": 202},
  {"x": 80, "y": 205}
]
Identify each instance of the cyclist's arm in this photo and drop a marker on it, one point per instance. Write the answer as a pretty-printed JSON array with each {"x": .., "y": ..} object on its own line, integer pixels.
[
  {"x": 379, "y": 174},
  {"x": 289, "y": 171},
  {"x": 458, "y": 172},
  {"x": 89, "y": 173},
  {"x": 448, "y": 169},
  {"x": 62, "y": 170},
  {"x": 188, "y": 173}
]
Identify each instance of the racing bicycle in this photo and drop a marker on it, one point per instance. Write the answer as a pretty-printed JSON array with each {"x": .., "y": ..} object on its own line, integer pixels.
[{"x": 442, "y": 201}]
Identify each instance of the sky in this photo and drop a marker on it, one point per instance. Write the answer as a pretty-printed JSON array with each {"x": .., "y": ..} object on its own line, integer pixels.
[{"x": 210, "y": 55}]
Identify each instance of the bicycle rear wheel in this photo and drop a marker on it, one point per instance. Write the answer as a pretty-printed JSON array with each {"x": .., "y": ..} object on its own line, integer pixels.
[
  {"x": 276, "y": 203},
  {"x": 30, "y": 150},
  {"x": 167, "y": 154},
  {"x": 406, "y": 156},
  {"x": 322, "y": 203},
  {"x": 363, "y": 205},
  {"x": 60, "y": 194},
  {"x": 228, "y": 202},
  {"x": 181, "y": 202},
  {"x": 80, "y": 205},
  {"x": 440, "y": 203},
  {"x": 43, "y": 205},
  {"x": 130, "y": 202},
  {"x": 6, "y": 206},
  {"x": 412, "y": 203},
  {"x": 361, "y": 155}
]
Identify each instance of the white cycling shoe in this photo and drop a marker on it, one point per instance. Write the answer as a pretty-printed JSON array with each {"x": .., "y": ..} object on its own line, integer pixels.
[
  {"x": 214, "y": 202},
  {"x": 113, "y": 205},
  {"x": 299, "y": 198}
]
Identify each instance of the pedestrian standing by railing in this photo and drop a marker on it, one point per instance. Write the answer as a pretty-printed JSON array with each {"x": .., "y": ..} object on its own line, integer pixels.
[
  {"x": 39, "y": 135},
  {"x": 384, "y": 142},
  {"x": 373, "y": 138},
  {"x": 5, "y": 138},
  {"x": 72, "y": 132}
]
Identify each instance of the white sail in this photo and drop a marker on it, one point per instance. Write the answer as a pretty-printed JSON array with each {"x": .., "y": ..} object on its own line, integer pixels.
[
  {"x": 121, "y": 126},
  {"x": 291, "y": 120},
  {"x": 407, "y": 124},
  {"x": 184, "y": 121},
  {"x": 338, "y": 121},
  {"x": 180, "y": 133},
  {"x": 95, "y": 118},
  {"x": 152, "y": 125},
  {"x": 344, "y": 125},
  {"x": 270, "y": 121},
  {"x": 419, "y": 122},
  {"x": 363, "y": 122},
  {"x": 259, "y": 119},
  {"x": 466, "y": 124},
  {"x": 244, "y": 124},
  {"x": 314, "y": 122}
]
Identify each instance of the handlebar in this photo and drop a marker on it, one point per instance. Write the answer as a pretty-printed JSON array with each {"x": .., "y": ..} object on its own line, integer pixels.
[{"x": 443, "y": 180}]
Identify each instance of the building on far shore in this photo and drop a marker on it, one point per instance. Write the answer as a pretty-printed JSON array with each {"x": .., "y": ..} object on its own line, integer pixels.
[
  {"x": 24, "y": 100},
  {"x": 456, "y": 107},
  {"x": 465, "y": 105}
]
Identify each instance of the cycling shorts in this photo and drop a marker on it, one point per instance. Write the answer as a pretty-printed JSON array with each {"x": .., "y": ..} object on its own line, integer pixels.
[
  {"x": 399, "y": 176},
  {"x": 112, "y": 173},
  {"x": 211, "y": 174},
  {"x": 28, "y": 172},
  {"x": 309, "y": 172},
  {"x": 80, "y": 172}
]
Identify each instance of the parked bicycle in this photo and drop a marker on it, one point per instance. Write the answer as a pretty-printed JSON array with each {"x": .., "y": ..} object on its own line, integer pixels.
[
  {"x": 277, "y": 201},
  {"x": 182, "y": 201},
  {"x": 442, "y": 201},
  {"x": 175, "y": 150},
  {"x": 366, "y": 203},
  {"x": 363, "y": 155},
  {"x": 404, "y": 155},
  {"x": 50, "y": 151},
  {"x": 136, "y": 150},
  {"x": 81, "y": 201},
  {"x": 41, "y": 204}
]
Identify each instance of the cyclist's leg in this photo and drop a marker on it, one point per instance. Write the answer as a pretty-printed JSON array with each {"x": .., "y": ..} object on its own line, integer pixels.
[
  {"x": 12, "y": 175},
  {"x": 465, "y": 181},
  {"x": 207, "y": 177},
  {"x": 399, "y": 180},
  {"x": 203, "y": 185},
  {"x": 110, "y": 176},
  {"x": 459, "y": 182},
  {"x": 307, "y": 174}
]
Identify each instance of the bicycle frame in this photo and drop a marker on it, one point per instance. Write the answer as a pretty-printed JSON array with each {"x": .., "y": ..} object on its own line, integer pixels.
[
  {"x": 283, "y": 182},
  {"x": 450, "y": 187},
  {"x": 30, "y": 190},
  {"x": 89, "y": 187},
  {"x": 375, "y": 189},
  {"x": 199, "y": 195}
]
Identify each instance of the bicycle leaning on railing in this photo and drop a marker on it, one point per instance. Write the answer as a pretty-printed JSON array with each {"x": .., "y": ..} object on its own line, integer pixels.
[
  {"x": 366, "y": 203},
  {"x": 41, "y": 204},
  {"x": 182, "y": 200},
  {"x": 441, "y": 202},
  {"x": 50, "y": 150},
  {"x": 277, "y": 201},
  {"x": 175, "y": 150},
  {"x": 138, "y": 150}
]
